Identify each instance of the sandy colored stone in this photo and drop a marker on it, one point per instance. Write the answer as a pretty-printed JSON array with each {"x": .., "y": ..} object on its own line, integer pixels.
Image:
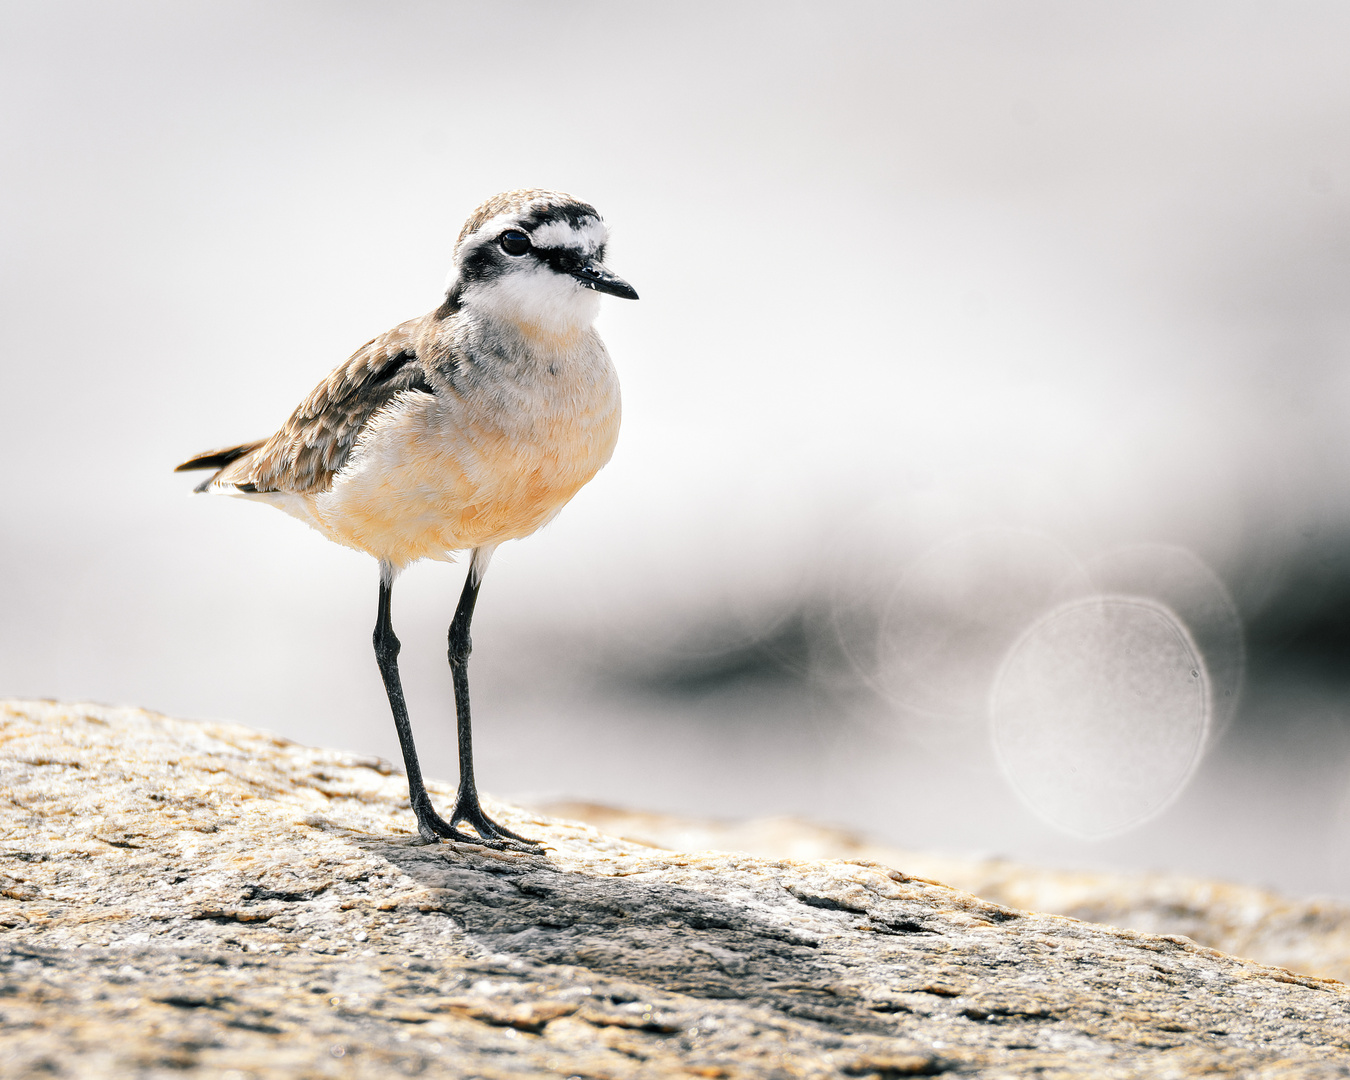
[
  {"x": 205, "y": 900},
  {"x": 1311, "y": 936}
]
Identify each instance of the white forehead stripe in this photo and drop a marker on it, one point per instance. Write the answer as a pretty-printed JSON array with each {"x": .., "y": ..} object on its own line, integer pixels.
[{"x": 588, "y": 237}]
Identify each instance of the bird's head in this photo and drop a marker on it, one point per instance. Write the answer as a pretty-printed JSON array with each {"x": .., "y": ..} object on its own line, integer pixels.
[{"x": 534, "y": 258}]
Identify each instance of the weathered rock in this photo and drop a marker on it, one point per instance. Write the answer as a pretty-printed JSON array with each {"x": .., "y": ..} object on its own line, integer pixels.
[
  {"x": 1310, "y": 936},
  {"x": 205, "y": 898}
]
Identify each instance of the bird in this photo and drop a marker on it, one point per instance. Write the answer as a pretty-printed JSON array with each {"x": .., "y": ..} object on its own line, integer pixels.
[{"x": 452, "y": 433}]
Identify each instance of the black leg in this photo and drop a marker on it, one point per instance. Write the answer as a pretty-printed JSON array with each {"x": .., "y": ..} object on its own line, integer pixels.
[
  {"x": 468, "y": 810},
  {"x": 429, "y": 823}
]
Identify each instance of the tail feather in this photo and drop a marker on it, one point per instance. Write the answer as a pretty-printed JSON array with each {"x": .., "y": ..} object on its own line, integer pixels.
[{"x": 218, "y": 460}]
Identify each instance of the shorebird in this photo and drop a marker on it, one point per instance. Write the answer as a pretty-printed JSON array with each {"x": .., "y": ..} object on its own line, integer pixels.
[{"x": 454, "y": 432}]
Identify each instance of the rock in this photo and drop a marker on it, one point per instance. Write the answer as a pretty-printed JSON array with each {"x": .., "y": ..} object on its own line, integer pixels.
[
  {"x": 205, "y": 899},
  {"x": 1311, "y": 936}
]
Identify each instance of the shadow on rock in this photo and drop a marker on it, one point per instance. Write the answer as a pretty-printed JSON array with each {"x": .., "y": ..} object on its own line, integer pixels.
[{"x": 679, "y": 939}]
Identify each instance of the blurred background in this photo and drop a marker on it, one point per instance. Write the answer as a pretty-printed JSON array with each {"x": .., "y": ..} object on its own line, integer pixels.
[{"x": 984, "y": 483}]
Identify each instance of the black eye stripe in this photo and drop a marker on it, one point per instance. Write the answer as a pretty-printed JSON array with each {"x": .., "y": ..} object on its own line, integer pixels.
[
  {"x": 561, "y": 259},
  {"x": 490, "y": 261},
  {"x": 492, "y": 256}
]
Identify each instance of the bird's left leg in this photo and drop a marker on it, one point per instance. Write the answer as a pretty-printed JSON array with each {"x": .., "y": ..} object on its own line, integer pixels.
[
  {"x": 429, "y": 823},
  {"x": 468, "y": 810}
]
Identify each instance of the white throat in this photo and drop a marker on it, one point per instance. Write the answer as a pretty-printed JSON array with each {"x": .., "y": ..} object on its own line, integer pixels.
[{"x": 535, "y": 296}]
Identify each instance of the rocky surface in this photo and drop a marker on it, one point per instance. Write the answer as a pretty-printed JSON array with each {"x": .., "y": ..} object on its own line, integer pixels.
[
  {"x": 202, "y": 899},
  {"x": 1311, "y": 936}
]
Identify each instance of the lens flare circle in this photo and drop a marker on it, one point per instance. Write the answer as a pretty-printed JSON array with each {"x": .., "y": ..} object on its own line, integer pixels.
[{"x": 1100, "y": 714}]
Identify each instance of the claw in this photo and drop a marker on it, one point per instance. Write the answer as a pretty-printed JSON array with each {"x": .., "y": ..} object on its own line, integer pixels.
[
  {"x": 469, "y": 812},
  {"x": 486, "y": 832}
]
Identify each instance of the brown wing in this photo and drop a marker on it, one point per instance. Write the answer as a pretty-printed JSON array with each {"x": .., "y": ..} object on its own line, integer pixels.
[{"x": 305, "y": 455}]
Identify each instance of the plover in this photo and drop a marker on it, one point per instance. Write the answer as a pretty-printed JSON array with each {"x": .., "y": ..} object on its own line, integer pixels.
[{"x": 454, "y": 432}]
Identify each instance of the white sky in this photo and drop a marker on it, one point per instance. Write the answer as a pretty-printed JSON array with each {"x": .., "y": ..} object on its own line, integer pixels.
[{"x": 907, "y": 270}]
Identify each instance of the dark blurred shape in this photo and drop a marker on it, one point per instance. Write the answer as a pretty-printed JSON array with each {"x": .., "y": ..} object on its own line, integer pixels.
[
  {"x": 1304, "y": 620},
  {"x": 792, "y": 647}
]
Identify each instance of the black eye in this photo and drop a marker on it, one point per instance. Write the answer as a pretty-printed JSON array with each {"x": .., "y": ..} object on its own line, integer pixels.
[{"x": 514, "y": 242}]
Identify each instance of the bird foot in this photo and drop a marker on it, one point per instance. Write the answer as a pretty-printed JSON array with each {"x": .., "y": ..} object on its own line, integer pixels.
[{"x": 432, "y": 828}]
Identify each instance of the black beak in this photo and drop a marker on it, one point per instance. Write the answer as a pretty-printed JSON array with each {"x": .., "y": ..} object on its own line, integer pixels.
[{"x": 593, "y": 275}]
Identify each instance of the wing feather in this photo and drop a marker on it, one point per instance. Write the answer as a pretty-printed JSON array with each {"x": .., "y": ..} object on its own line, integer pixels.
[{"x": 314, "y": 444}]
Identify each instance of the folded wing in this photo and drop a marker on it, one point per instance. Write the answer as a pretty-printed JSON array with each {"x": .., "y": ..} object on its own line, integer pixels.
[{"x": 305, "y": 455}]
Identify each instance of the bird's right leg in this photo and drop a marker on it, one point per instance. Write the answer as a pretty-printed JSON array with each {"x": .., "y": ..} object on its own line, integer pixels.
[
  {"x": 430, "y": 825},
  {"x": 468, "y": 809}
]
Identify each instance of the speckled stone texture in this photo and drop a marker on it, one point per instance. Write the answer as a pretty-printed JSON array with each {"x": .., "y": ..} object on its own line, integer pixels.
[
  {"x": 205, "y": 900},
  {"x": 1310, "y": 936}
]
